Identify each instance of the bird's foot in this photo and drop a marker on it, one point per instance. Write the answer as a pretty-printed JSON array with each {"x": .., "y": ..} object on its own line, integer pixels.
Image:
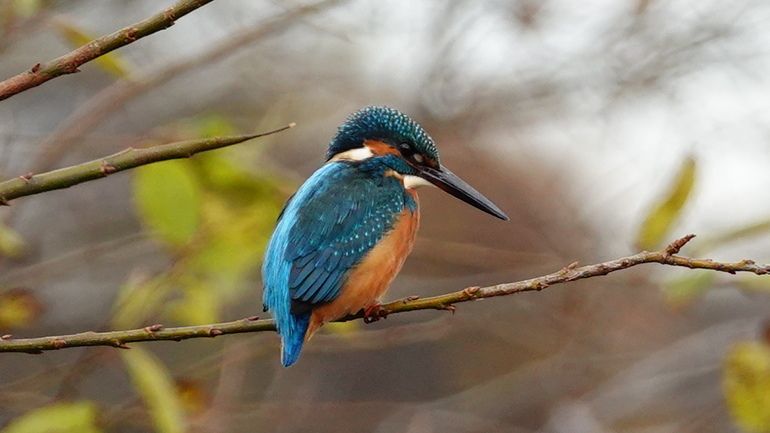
[{"x": 374, "y": 313}]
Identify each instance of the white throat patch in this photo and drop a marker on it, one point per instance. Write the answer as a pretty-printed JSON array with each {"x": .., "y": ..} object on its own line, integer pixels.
[
  {"x": 411, "y": 182},
  {"x": 357, "y": 154},
  {"x": 362, "y": 153}
]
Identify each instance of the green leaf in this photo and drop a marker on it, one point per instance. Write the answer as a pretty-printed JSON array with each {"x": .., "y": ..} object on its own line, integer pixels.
[
  {"x": 11, "y": 243},
  {"x": 139, "y": 299},
  {"x": 18, "y": 308},
  {"x": 168, "y": 198},
  {"x": 193, "y": 395},
  {"x": 344, "y": 329},
  {"x": 76, "y": 417},
  {"x": 27, "y": 8},
  {"x": 111, "y": 62},
  {"x": 236, "y": 239},
  {"x": 685, "y": 289},
  {"x": 749, "y": 231},
  {"x": 754, "y": 283},
  {"x": 236, "y": 213},
  {"x": 746, "y": 385},
  {"x": 239, "y": 212},
  {"x": 214, "y": 125},
  {"x": 199, "y": 304},
  {"x": 156, "y": 387},
  {"x": 225, "y": 178},
  {"x": 666, "y": 212}
]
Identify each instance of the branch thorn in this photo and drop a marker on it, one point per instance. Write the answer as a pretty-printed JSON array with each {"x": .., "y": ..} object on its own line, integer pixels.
[
  {"x": 153, "y": 328},
  {"x": 677, "y": 245},
  {"x": 471, "y": 292},
  {"x": 107, "y": 168},
  {"x": 448, "y": 307},
  {"x": 119, "y": 344}
]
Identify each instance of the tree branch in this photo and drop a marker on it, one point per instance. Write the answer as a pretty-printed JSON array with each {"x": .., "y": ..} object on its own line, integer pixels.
[
  {"x": 69, "y": 63},
  {"x": 116, "y": 96},
  {"x": 66, "y": 177},
  {"x": 572, "y": 272}
]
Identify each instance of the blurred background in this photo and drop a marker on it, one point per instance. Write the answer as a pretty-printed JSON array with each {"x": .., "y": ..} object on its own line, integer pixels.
[{"x": 600, "y": 127}]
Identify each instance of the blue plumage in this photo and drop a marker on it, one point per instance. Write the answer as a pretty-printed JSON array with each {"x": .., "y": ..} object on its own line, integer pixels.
[
  {"x": 350, "y": 205},
  {"x": 335, "y": 218},
  {"x": 381, "y": 123}
]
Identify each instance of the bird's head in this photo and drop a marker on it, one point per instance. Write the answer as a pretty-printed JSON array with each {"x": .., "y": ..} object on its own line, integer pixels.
[{"x": 387, "y": 134}]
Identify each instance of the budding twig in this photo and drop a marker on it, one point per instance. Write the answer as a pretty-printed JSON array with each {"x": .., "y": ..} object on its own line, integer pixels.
[
  {"x": 667, "y": 256},
  {"x": 130, "y": 158},
  {"x": 70, "y": 62}
]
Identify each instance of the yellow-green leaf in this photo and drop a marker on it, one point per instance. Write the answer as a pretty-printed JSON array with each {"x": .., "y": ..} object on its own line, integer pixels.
[
  {"x": 666, "y": 212},
  {"x": 236, "y": 238},
  {"x": 683, "y": 290},
  {"x": 193, "y": 395},
  {"x": 748, "y": 231},
  {"x": 214, "y": 125},
  {"x": 199, "y": 304},
  {"x": 139, "y": 299},
  {"x": 157, "y": 389},
  {"x": 168, "y": 198},
  {"x": 746, "y": 384},
  {"x": 344, "y": 328},
  {"x": 76, "y": 417},
  {"x": 11, "y": 243},
  {"x": 239, "y": 211},
  {"x": 27, "y": 8},
  {"x": 112, "y": 63},
  {"x": 18, "y": 308},
  {"x": 754, "y": 283}
]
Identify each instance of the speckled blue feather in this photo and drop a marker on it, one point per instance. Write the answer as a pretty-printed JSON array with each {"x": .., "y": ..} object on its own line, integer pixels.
[
  {"x": 385, "y": 124},
  {"x": 333, "y": 220}
]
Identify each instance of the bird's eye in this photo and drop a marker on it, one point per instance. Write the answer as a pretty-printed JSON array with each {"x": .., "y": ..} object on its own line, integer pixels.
[{"x": 417, "y": 157}]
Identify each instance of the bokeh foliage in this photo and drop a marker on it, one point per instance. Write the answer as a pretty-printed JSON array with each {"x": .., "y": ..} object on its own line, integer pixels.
[
  {"x": 746, "y": 373},
  {"x": 74, "y": 417},
  {"x": 509, "y": 98},
  {"x": 747, "y": 385},
  {"x": 213, "y": 217}
]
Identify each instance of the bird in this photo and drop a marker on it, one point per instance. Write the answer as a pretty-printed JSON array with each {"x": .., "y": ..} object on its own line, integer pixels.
[{"x": 344, "y": 234}]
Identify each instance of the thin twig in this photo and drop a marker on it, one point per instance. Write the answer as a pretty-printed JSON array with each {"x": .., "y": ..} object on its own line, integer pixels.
[
  {"x": 667, "y": 256},
  {"x": 30, "y": 184},
  {"x": 70, "y": 62},
  {"x": 116, "y": 96}
]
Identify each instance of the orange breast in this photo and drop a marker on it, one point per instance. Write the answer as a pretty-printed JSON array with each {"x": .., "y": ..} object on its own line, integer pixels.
[{"x": 372, "y": 277}]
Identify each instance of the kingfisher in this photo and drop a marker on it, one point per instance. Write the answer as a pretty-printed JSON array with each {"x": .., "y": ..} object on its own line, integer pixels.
[{"x": 344, "y": 235}]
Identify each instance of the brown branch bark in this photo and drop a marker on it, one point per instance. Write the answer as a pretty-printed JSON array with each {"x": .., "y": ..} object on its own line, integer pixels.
[
  {"x": 31, "y": 184},
  {"x": 118, "y": 95},
  {"x": 668, "y": 256},
  {"x": 70, "y": 62}
]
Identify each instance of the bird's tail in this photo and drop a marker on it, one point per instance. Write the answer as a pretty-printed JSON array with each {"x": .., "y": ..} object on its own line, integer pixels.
[{"x": 292, "y": 338}]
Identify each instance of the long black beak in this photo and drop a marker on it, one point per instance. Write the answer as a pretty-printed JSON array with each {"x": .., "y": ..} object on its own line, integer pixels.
[{"x": 449, "y": 182}]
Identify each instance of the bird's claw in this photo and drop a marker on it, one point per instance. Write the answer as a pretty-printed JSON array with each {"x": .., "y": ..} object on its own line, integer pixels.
[
  {"x": 374, "y": 313},
  {"x": 448, "y": 307}
]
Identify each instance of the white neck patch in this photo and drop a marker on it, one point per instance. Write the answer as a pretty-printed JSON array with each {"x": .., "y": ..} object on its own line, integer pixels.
[
  {"x": 412, "y": 182},
  {"x": 362, "y": 153},
  {"x": 357, "y": 154}
]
